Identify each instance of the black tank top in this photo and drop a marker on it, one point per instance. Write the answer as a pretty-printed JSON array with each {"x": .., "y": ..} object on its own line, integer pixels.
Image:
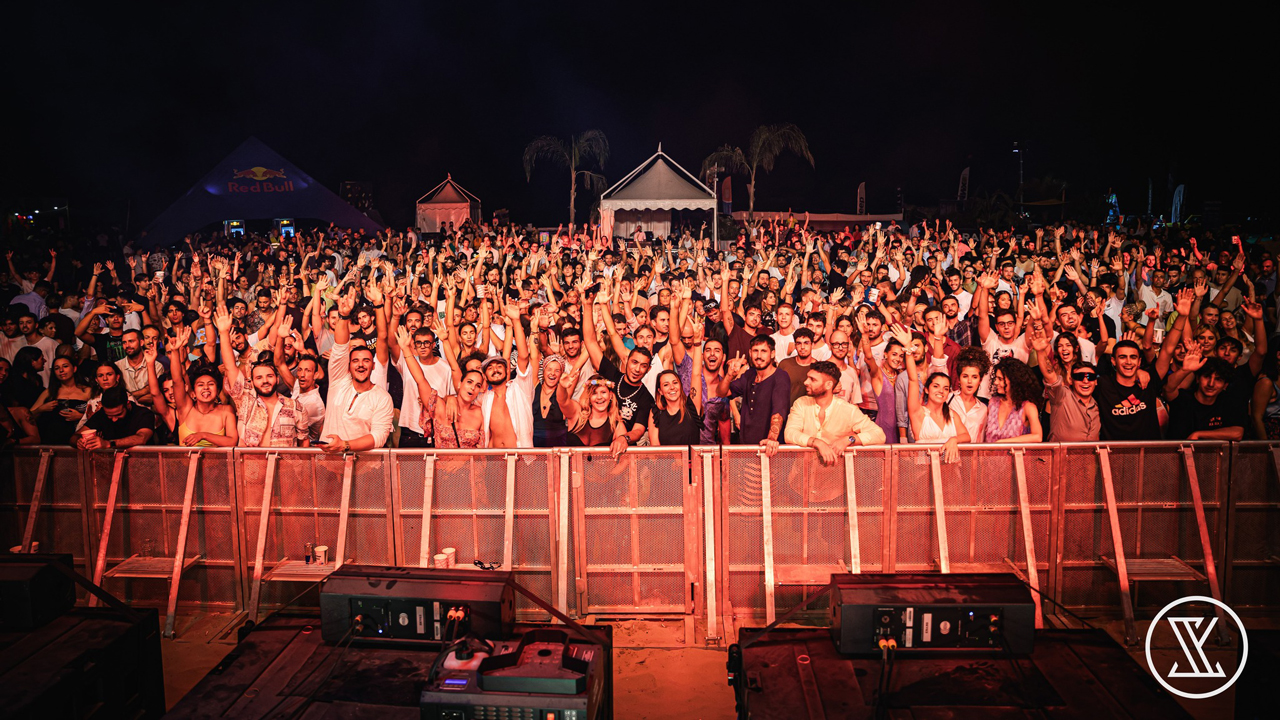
[
  {"x": 592, "y": 436},
  {"x": 551, "y": 430}
]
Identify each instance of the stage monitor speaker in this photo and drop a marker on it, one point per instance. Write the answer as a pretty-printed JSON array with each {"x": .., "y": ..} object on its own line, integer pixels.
[
  {"x": 32, "y": 591},
  {"x": 415, "y": 605},
  {"x": 929, "y": 612}
]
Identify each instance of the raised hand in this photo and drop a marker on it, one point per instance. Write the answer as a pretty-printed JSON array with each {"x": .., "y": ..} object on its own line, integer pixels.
[
  {"x": 285, "y": 328},
  {"x": 1201, "y": 287},
  {"x": 347, "y": 301},
  {"x": 1194, "y": 360},
  {"x": 222, "y": 320},
  {"x": 181, "y": 337},
  {"x": 1253, "y": 309},
  {"x": 403, "y": 339}
]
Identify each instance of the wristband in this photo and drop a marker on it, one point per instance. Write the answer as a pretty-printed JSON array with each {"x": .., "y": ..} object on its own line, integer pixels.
[
  {"x": 378, "y": 306},
  {"x": 344, "y": 317}
]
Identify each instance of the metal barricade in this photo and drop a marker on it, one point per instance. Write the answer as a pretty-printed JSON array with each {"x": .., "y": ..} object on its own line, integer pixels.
[
  {"x": 311, "y": 501},
  {"x": 496, "y": 507},
  {"x": 1252, "y": 572},
  {"x": 699, "y": 533},
  {"x": 42, "y": 503},
  {"x": 786, "y": 524},
  {"x": 141, "y": 522},
  {"x": 1155, "y": 513},
  {"x": 635, "y": 534}
]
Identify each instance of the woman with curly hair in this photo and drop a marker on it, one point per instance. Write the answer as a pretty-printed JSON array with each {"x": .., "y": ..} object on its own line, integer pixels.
[{"x": 1013, "y": 415}]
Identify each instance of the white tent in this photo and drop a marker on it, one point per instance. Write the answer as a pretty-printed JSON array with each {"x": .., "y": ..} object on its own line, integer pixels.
[
  {"x": 446, "y": 203},
  {"x": 647, "y": 196}
]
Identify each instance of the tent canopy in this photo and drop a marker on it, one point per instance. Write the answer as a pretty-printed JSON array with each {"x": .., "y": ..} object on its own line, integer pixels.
[
  {"x": 446, "y": 203},
  {"x": 648, "y": 195},
  {"x": 252, "y": 183}
]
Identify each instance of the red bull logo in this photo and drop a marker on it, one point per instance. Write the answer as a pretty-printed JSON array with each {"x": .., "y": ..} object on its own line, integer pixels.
[{"x": 260, "y": 177}]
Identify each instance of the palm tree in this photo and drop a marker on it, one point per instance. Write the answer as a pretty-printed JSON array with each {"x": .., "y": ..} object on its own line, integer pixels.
[
  {"x": 766, "y": 144},
  {"x": 580, "y": 150}
]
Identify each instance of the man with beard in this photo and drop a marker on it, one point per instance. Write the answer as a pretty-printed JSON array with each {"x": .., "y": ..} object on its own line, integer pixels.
[
  {"x": 797, "y": 368},
  {"x": 828, "y": 423},
  {"x": 120, "y": 425},
  {"x": 841, "y": 350},
  {"x": 359, "y": 412},
  {"x": 635, "y": 402},
  {"x": 133, "y": 368},
  {"x": 264, "y": 417},
  {"x": 715, "y": 407},
  {"x": 766, "y": 395},
  {"x": 959, "y": 331},
  {"x": 508, "y": 411}
]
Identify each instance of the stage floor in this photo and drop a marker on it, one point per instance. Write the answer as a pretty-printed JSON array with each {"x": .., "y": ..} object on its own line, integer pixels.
[{"x": 655, "y": 676}]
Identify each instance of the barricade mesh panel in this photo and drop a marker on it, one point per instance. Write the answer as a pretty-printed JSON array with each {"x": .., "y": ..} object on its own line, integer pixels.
[
  {"x": 633, "y": 517},
  {"x": 470, "y": 499},
  {"x": 917, "y": 536},
  {"x": 1254, "y": 574},
  {"x": 211, "y": 532},
  {"x": 60, "y": 520},
  {"x": 531, "y": 535},
  {"x": 413, "y": 476},
  {"x": 742, "y": 547},
  {"x": 1086, "y": 533},
  {"x": 869, "y": 469}
]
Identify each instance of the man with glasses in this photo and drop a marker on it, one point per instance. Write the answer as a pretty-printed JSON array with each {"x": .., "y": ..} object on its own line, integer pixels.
[
  {"x": 1075, "y": 411},
  {"x": 1007, "y": 340},
  {"x": 415, "y": 425}
]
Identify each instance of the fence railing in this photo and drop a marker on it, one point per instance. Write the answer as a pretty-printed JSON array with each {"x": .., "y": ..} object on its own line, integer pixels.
[{"x": 700, "y": 534}]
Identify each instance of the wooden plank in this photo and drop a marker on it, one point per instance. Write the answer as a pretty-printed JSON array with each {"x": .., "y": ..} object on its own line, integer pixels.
[
  {"x": 940, "y": 512},
  {"x": 766, "y": 492},
  {"x": 805, "y": 574},
  {"x": 344, "y": 509},
  {"x": 1028, "y": 535},
  {"x": 268, "y": 484},
  {"x": 180, "y": 547},
  {"x": 100, "y": 566},
  {"x": 1122, "y": 567},
  {"x": 37, "y": 492},
  {"x": 428, "y": 499},
  {"x": 851, "y": 497}
]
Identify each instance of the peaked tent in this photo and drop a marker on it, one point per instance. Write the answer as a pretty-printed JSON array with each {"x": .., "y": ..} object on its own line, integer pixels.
[
  {"x": 447, "y": 203},
  {"x": 252, "y": 183},
  {"x": 649, "y": 194}
]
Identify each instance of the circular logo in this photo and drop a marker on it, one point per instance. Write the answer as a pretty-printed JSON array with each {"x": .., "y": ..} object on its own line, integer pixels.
[{"x": 1192, "y": 632}]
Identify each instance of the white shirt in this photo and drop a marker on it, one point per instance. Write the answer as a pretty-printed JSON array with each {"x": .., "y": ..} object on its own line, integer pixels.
[
  {"x": 313, "y": 405},
  {"x": 781, "y": 345},
  {"x": 965, "y": 298},
  {"x": 350, "y": 414},
  {"x": 974, "y": 419}
]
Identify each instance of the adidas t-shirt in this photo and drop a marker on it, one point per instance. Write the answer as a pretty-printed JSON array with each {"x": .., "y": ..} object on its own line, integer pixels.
[{"x": 1128, "y": 413}]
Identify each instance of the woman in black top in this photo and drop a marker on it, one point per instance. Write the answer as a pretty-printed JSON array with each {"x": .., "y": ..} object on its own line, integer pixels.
[
  {"x": 66, "y": 399},
  {"x": 549, "y": 426},
  {"x": 676, "y": 418},
  {"x": 24, "y": 385}
]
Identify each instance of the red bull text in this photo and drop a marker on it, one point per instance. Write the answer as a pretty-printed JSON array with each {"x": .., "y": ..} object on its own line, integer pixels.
[{"x": 259, "y": 176}]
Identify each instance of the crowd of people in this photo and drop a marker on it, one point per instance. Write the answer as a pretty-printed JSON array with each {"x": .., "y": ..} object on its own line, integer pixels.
[{"x": 488, "y": 337}]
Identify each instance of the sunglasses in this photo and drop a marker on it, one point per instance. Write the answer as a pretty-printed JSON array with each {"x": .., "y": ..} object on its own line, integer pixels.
[{"x": 1085, "y": 377}]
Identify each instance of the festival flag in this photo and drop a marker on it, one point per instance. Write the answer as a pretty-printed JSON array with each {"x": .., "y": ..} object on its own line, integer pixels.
[
  {"x": 963, "y": 193},
  {"x": 1176, "y": 215},
  {"x": 862, "y": 198}
]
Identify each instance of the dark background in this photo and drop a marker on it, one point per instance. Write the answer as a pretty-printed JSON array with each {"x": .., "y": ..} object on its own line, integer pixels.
[{"x": 122, "y": 110}]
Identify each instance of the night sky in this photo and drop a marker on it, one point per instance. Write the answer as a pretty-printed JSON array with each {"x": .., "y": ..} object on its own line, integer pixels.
[{"x": 120, "y": 110}]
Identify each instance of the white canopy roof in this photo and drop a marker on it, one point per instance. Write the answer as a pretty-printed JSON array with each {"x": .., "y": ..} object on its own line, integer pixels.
[
  {"x": 448, "y": 192},
  {"x": 659, "y": 183}
]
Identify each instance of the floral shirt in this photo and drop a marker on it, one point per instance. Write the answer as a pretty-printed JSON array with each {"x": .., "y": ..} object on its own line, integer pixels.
[{"x": 259, "y": 428}]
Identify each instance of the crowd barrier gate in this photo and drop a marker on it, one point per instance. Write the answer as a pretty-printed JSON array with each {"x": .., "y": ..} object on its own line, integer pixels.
[{"x": 716, "y": 535}]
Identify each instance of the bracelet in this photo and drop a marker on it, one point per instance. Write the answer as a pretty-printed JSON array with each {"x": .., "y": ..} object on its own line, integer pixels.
[
  {"x": 344, "y": 317},
  {"x": 378, "y": 306}
]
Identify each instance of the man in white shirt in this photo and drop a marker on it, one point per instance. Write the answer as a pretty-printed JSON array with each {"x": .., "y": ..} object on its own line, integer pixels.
[
  {"x": 30, "y": 336},
  {"x": 358, "y": 415},
  {"x": 415, "y": 425},
  {"x": 783, "y": 342}
]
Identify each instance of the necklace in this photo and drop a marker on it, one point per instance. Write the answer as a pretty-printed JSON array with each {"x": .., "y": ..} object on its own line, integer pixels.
[{"x": 633, "y": 392}]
